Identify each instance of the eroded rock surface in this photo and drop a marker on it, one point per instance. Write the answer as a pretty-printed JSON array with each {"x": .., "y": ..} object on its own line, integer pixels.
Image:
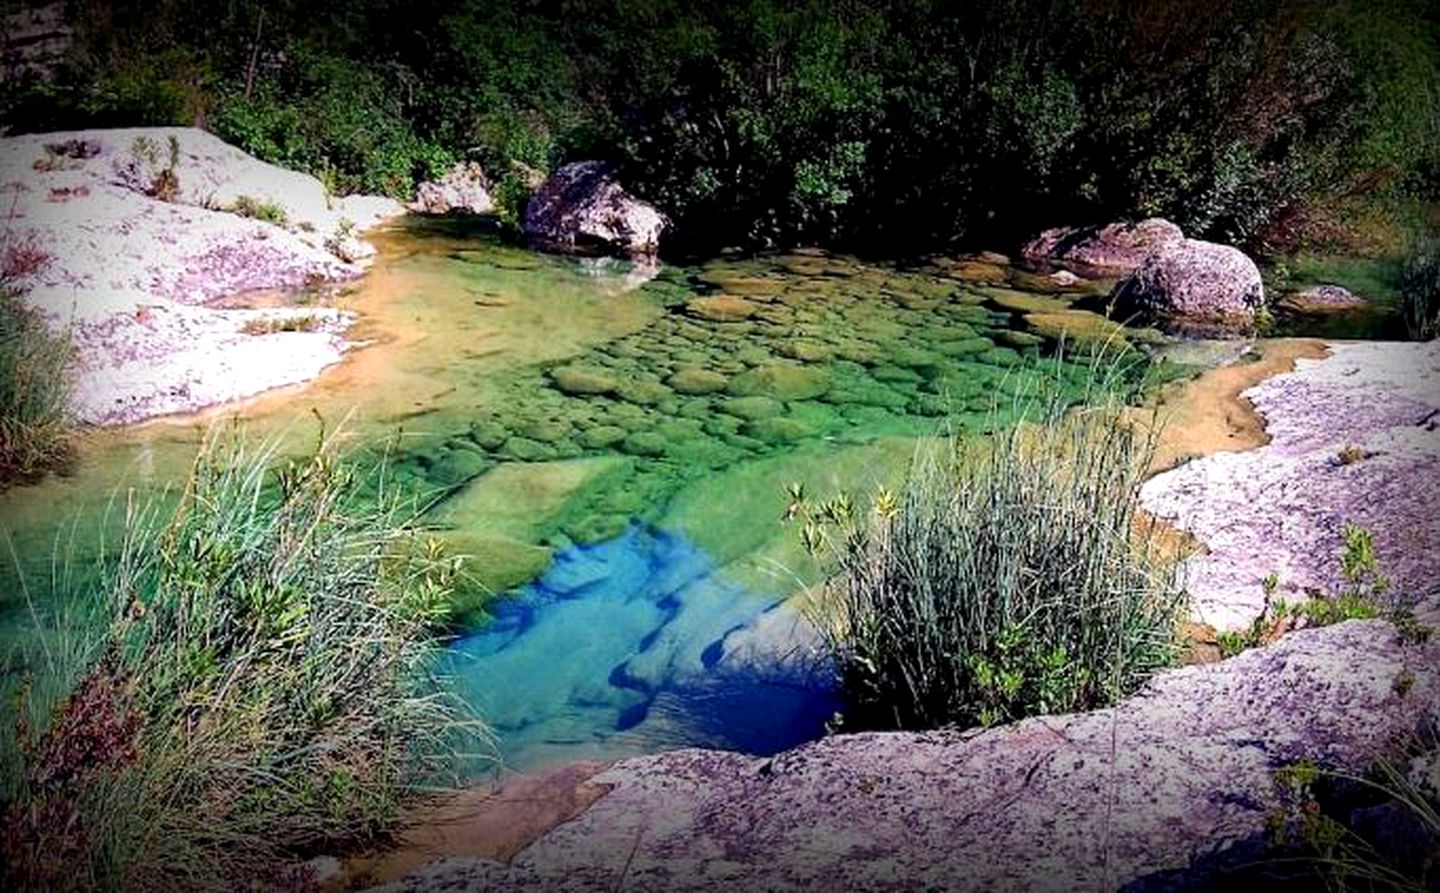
[
  {"x": 582, "y": 207},
  {"x": 1282, "y": 508},
  {"x": 112, "y": 239},
  {"x": 1088, "y": 801}
]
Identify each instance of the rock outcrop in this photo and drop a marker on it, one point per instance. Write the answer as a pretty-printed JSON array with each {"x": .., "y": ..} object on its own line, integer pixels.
[
  {"x": 131, "y": 233},
  {"x": 1326, "y": 297},
  {"x": 1175, "y": 782},
  {"x": 582, "y": 208},
  {"x": 1195, "y": 281},
  {"x": 1354, "y": 439},
  {"x": 1178, "y": 774},
  {"x": 463, "y": 189},
  {"x": 1116, "y": 248}
]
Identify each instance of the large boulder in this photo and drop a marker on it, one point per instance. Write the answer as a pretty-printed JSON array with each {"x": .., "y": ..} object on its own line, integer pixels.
[
  {"x": 1116, "y": 248},
  {"x": 1196, "y": 281},
  {"x": 582, "y": 208},
  {"x": 464, "y": 189}
]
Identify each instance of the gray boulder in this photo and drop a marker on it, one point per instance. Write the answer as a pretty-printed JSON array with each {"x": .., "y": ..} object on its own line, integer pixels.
[
  {"x": 583, "y": 209},
  {"x": 1116, "y": 248},
  {"x": 1193, "y": 280},
  {"x": 464, "y": 188}
]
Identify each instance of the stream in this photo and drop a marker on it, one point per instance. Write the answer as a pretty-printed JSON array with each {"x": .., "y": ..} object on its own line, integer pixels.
[{"x": 612, "y": 448}]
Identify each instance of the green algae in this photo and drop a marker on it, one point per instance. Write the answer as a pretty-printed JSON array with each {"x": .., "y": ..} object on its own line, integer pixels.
[{"x": 557, "y": 411}]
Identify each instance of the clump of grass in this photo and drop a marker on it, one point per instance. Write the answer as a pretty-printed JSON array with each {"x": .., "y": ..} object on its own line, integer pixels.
[
  {"x": 261, "y": 688},
  {"x": 269, "y": 325},
  {"x": 1394, "y": 844},
  {"x": 1420, "y": 291},
  {"x": 35, "y": 423},
  {"x": 257, "y": 209},
  {"x": 1008, "y": 577}
]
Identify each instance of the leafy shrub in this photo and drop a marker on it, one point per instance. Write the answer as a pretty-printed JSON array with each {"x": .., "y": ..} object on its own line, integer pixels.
[
  {"x": 261, "y": 687},
  {"x": 1007, "y": 578}
]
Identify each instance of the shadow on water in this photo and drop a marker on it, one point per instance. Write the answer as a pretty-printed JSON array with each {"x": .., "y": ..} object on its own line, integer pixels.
[{"x": 639, "y": 644}]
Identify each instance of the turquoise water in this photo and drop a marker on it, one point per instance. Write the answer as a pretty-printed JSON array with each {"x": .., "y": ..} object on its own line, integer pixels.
[
  {"x": 628, "y": 446},
  {"x": 639, "y": 644}
]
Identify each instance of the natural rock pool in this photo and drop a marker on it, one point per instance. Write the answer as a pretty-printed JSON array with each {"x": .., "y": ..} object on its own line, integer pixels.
[{"x": 615, "y": 449}]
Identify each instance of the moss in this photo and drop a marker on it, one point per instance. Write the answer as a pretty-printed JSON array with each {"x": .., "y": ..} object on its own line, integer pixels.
[
  {"x": 1080, "y": 329},
  {"x": 584, "y": 380},
  {"x": 782, "y": 381},
  {"x": 644, "y": 443},
  {"x": 1024, "y": 302},
  {"x": 752, "y": 408},
  {"x": 721, "y": 308},
  {"x": 646, "y": 393},
  {"x": 779, "y": 430},
  {"x": 690, "y": 380},
  {"x": 602, "y": 436}
]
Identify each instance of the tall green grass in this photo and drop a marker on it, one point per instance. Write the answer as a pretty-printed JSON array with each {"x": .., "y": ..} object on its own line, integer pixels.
[
  {"x": 1008, "y": 577},
  {"x": 260, "y": 687},
  {"x": 1420, "y": 291},
  {"x": 35, "y": 422}
]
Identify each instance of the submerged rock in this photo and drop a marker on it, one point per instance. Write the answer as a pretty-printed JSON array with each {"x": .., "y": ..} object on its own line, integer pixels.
[
  {"x": 1194, "y": 280},
  {"x": 582, "y": 207},
  {"x": 1115, "y": 247},
  {"x": 721, "y": 308}
]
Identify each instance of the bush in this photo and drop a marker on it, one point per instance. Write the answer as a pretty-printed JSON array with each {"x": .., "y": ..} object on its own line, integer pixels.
[
  {"x": 261, "y": 689},
  {"x": 1007, "y": 578},
  {"x": 35, "y": 422},
  {"x": 1420, "y": 291}
]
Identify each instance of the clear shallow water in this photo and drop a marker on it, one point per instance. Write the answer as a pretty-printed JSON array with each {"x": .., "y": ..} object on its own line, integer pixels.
[
  {"x": 637, "y": 644},
  {"x": 544, "y": 404}
]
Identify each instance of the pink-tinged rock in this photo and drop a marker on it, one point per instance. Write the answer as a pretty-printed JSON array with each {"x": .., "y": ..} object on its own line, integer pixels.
[
  {"x": 583, "y": 208},
  {"x": 1176, "y": 774},
  {"x": 463, "y": 189},
  {"x": 1282, "y": 508},
  {"x": 128, "y": 275},
  {"x": 1193, "y": 280},
  {"x": 1116, "y": 248},
  {"x": 1327, "y": 297}
]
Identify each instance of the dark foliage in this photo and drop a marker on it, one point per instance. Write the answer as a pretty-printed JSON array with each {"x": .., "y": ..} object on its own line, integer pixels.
[{"x": 879, "y": 125}]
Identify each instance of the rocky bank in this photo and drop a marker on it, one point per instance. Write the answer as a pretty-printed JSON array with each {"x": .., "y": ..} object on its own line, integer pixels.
[
  {"x": 1171, "y": 784},
  {"x": 126, "y": 238}
]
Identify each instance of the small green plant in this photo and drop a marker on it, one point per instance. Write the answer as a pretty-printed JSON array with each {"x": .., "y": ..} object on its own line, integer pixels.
[
  {"x": 1363, "y": 597},
  {"x": 257, "y": 209}
]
